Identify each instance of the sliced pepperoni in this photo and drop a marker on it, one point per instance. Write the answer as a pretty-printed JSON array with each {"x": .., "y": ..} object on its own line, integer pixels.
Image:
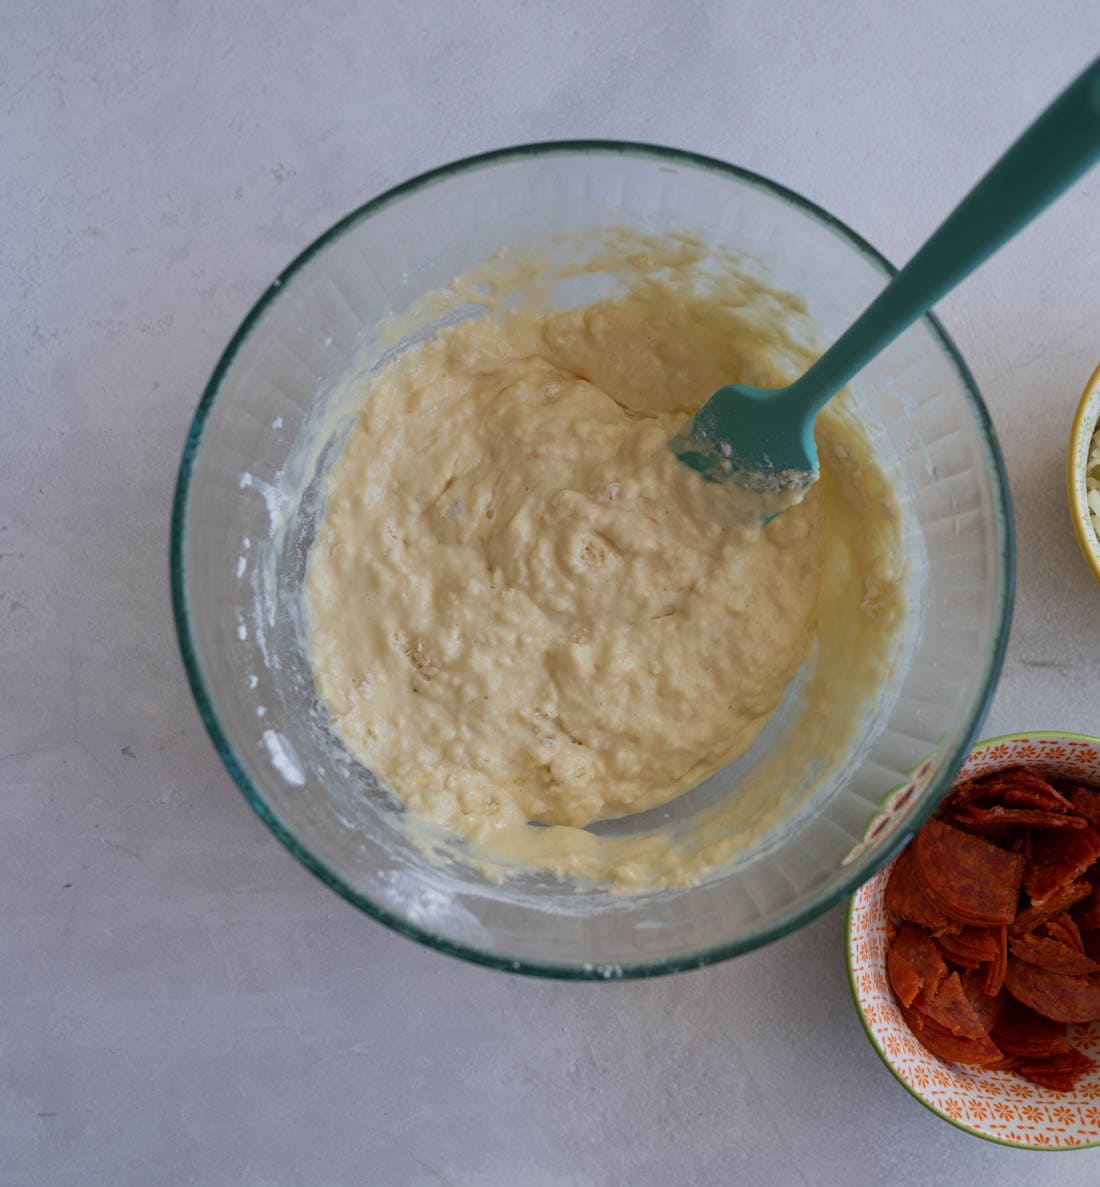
[
  {"x": 1033, "y": 917},
  {"x": 953, "y": 1048},
  {"x": 1065, "y": 999},
  {"x": 906, "y": 899},
  {"x": 1025, "y": 789},
  {"x": 1092, "y": 943},
  {"x": 1059, "y": 1072},
  {"x": 971, "y": 943},
  {"x": 1057, "y": 859},
  {"x": 1023, "y": 968},
  {"x": 1087, "y": 915},
  {"x": 1086, "y": 802},
  {"x": 1020, "y": 1031},
  {"x": 966, "y": 877},
  {"x": 914, "y": 965},
  {"x": 995, "y": 970},
  {"x": 1062, "y": 927},
  {"x": 996, "y": 817},
  {"x": 964, "y": 792},
  {"x": 959, "y": 961},
  {"x": 950, "y": 1008},
  {"x": 1053, "y": 955},
  {"x": 988, "y": 1007}
]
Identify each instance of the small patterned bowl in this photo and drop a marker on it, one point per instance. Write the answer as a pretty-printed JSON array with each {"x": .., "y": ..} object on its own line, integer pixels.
[
  {"x": 1080, "y": 438},
  {"x": 999, "y": 1106}
]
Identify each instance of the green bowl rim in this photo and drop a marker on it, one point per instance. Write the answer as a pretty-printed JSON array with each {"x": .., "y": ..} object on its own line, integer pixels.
[
  {"x": 860, "y": 871},
  {"x": 1017, "y": 736},
  {"x": 1085, "y": 423}
]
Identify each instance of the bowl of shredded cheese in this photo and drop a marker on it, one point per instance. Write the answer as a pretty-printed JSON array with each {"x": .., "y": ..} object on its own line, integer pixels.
[{"x": 1083, "y": 474}]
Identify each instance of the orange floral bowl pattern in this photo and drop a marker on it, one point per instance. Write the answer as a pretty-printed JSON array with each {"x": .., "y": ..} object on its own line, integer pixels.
[{"x": 999, "y": 1106}]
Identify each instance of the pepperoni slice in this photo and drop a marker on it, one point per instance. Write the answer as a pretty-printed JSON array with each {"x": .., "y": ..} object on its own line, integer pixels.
[
  {"x": 995, "y": 970},
  {"x": 914, "y": 965},
  {"x": 964, "y": 792},
  {"x": 953, "y": 1048},
  {"x": 1053, "y": 955},
  {"x": 950, "y": 1008},
  {"x": 1058, "y": 859},
  {"x": 1088, "y": 914},
  {"x": 959, "y": 961},
  {"x": 1020, "y": 1031},
  {"x": 1086, "y": 802},
  {"x": 906, "y": 899},
  {"x": 1060, "y": 1072},
  {"x": 988, "y": 1007},
  {"x": 1025, "y": 789},
  {"x": 971, "y": 943},
  {"x": 1032, "y": 917},
  {"x": 1065, "y": 999},
  {"x": 1062, "y": 927},
  {"x": 966, "y": 877},
  {"x": 980, "y": 817}
]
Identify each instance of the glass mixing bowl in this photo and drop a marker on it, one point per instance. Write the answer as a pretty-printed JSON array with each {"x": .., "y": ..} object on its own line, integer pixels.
[{"x": 248, "y": 499}]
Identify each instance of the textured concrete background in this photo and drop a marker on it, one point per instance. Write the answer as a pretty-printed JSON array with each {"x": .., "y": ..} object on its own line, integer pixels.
[{"x": 181, "y": 1002}]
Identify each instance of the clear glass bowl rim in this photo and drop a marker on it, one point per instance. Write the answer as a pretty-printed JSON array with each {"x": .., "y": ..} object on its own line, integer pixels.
[{"x": 860, "y": 870}]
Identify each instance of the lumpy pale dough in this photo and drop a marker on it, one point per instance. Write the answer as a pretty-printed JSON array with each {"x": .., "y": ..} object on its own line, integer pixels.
[{"x": 524, "y": 607}]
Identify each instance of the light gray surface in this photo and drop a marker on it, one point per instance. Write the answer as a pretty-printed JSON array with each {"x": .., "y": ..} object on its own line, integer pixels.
[{"x": 182, "y": 1002}]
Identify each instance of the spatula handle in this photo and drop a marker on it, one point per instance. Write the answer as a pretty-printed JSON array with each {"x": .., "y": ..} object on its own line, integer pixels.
[{"x": 1045, "y": 161}]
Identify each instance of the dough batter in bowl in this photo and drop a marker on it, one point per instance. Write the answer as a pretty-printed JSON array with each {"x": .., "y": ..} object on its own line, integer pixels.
[
  {"x": 527, "y": 612},
  {"x": 868, "y": 733}
]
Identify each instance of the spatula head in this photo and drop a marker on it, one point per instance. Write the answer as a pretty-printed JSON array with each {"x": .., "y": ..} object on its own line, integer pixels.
[{"x": 751, "y": 435}]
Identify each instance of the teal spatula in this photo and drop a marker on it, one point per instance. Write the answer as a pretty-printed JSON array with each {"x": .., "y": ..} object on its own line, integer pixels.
[{"x": 763, "y": 438}]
